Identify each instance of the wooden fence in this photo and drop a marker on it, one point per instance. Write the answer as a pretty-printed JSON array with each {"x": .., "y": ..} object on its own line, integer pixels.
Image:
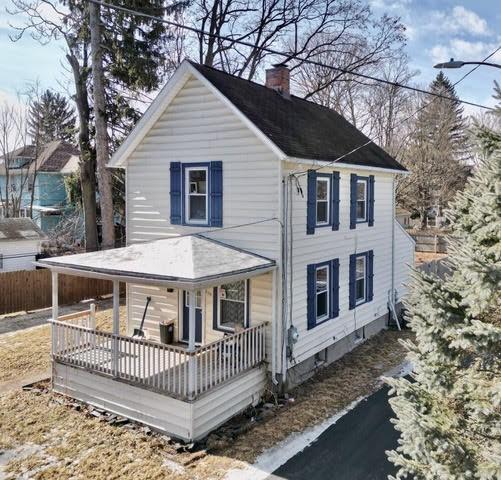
[
  {"x": 31, "y": 290},
  {"x": 426, "y": 242}
]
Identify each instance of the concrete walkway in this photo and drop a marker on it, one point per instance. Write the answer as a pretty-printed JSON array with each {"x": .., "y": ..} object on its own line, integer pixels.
[
  {"x": 12, "y": 323},
  {"x": 21, "y": 382}
]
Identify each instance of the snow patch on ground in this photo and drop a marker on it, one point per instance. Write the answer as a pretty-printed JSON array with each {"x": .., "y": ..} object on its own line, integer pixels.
[
  {"x": 269, "y": 461},
  {"x": 173, "y": 466}
]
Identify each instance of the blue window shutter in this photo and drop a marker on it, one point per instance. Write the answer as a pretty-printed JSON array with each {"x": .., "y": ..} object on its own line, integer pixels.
[
  {"x": 370, "y": 275},
  {"x": 311, "y": 208},
  {"x": 353, "y": 201},
  {"x": 353, "y": 260},
  {"x": 175, "y": 193},
  {"x": 311, "y": 297},
  {"x": 334, "y": 306},
  {"x": 371, "y": 200},
  {"x": 335, "y": 201},
  {"x": 215, "y": 301},
  {"x": 216, "y": 194}
]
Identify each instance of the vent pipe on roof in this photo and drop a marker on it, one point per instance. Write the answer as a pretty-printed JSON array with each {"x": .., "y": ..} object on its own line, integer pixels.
[{"x": 278, "y": 78}]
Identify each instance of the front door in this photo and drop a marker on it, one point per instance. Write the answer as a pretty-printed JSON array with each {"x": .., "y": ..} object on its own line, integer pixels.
[{"x": 198, "y": 317}]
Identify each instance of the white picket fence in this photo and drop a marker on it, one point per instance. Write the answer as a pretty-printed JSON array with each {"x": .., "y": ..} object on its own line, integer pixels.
[{"x": 164, "y": 368}]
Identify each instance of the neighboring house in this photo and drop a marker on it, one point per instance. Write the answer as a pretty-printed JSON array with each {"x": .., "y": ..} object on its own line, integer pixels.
[
  {"x": 403, "y": 217},
  {"x": 20, "y": 243},
  {"x": 262, "y": 255},
  {"x": 43, "y": 178}
]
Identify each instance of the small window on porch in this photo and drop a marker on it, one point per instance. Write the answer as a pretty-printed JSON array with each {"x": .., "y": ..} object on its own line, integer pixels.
[
  {"x": 198, "y": 299},
  {"x": 232, "y": 311}
]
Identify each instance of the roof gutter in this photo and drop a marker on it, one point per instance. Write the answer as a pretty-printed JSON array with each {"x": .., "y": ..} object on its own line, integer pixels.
[{"x": 349, "y": 166}]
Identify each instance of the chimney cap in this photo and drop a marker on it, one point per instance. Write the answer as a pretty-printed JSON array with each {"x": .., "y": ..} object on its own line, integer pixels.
[{"x": 280, "y": 65}]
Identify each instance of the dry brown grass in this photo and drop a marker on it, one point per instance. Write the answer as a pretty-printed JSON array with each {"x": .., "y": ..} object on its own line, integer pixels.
[
  {"x": 27, "y": 352},
  {"x": 76, "y": 445}
]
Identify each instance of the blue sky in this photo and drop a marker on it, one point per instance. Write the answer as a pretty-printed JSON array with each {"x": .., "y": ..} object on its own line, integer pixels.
[{"x": 437, "y": 30}]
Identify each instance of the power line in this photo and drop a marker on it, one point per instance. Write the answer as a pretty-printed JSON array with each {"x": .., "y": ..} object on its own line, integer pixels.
[
  {"x": 284, "y": 54},
  {"x": 298, "y": 174}
]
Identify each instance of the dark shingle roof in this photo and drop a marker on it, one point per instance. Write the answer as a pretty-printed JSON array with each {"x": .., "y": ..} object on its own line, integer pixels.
[
  {"x": 19, "y": 229},
  {"x": 55, "y": 156},
  {"x": 298, "y": 127}
]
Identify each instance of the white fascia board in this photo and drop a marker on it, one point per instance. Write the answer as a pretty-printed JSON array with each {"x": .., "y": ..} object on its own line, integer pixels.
[
  {"x": 151, "y": 115},
  {"x": 347, "y": 166},
  {"x": 272, "y": 146}
]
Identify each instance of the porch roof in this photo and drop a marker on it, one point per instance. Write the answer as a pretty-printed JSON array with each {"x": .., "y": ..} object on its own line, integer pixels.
[{"x": 190, "y": 261}]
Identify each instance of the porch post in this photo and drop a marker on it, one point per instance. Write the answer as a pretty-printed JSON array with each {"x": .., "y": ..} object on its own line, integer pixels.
[
  {"x": 55, "y": 309},
  {"x": 116, "y": 325},
  {"x": 192, "y": 366}
]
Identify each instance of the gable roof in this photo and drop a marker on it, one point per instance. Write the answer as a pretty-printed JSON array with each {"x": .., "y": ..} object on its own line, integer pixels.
[
  {"x": 295, "y": 127},
  {"x": 53, "y": 157},
  {"x": 19, "y": 229}
]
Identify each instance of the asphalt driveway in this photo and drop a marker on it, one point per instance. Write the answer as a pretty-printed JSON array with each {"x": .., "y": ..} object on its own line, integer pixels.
[{"x": 351, "y": 449}]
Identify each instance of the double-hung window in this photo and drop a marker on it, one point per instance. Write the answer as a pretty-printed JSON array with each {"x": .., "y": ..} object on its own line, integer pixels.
[
  {"x": 323, "y": 201},
  {"x": 232, "y": 311},
  {"x": 361, "y": 200},
  {"x": 322, "y": 292},
  {"x": 196, "y": 195},
  {"x": 361, "y": 278},
  {"x": 323, "y": 196}
]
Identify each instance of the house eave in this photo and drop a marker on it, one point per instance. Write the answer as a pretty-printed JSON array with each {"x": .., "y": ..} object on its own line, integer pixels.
[{"x": 347, "y": 166}]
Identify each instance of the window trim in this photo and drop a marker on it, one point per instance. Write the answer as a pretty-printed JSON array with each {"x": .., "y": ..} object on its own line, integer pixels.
[
  {"x": 360, "y": 301},
  {"x": 366, "y": 200},
  {"x": 186, "y": 193},
  {"x": 324, "y": 177},
  {"x": 218, "y": 300},
  {"x": 323, "y": 266}
]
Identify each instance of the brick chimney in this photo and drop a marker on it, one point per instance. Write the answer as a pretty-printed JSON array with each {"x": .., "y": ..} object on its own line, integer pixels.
[{"x": 278, "y": 78}]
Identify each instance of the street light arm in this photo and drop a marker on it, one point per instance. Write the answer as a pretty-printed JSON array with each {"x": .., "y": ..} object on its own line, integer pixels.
[{"x": 458, "y": 64}]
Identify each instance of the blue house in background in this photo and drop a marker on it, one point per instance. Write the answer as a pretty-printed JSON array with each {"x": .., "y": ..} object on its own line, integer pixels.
[{"x": 44, "y": 179}]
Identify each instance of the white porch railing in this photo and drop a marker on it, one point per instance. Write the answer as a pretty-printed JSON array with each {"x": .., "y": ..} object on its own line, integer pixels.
[{"x": 164, "y": 368}]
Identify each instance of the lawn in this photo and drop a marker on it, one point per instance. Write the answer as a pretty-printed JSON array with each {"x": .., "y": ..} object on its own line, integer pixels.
[{"x": 48, "y": 439}]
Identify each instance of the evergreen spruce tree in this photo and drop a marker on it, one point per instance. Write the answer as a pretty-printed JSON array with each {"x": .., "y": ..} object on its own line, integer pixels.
[
  {"x": 51, "y": 118},
  {"x": 449, "y": 415},
  {"x": 436, "y": 154}
]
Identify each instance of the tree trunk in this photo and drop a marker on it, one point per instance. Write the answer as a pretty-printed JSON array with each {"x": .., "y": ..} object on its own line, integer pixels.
[
  {"x": 102, "y": 148},
  {"x": 87, "y": 159}
]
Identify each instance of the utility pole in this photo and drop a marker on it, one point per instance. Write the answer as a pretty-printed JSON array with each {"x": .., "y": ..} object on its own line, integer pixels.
[{"x": 104, "y": 178}]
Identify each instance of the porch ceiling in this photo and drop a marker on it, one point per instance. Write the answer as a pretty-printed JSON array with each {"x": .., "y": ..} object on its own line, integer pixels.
[{"x": 188, "y": 262}]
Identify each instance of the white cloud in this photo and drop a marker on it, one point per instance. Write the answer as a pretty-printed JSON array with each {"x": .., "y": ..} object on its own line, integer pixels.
[
  {"x": 458, "y": 20},
  {"x": 464, "y": 50}
]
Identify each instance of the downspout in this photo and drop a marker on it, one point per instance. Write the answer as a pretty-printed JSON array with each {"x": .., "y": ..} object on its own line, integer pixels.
[{"x": 392, "y": 293}]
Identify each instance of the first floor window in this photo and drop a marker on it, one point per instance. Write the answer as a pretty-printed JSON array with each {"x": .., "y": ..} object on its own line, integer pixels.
[
  {"x": 196, "y": 198},
  {"x": 322, "y": 292},
  {"x": 361, "y": 200},
  {"x": 232, "y": 305},
  {"x": 198, "y": 299},
  {"x": 360, "y": 276},
  {"x": 323, "y": 200}
]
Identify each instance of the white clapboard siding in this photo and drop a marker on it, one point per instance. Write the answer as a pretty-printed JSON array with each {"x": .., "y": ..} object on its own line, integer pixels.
[
  {"x": 18, "y": 254},
  {"x": 182, "y": 419},
  {"x": 325, "y": 245},
  {"x": 404, "y": 259},
  {"x": 198, "y": 127}
]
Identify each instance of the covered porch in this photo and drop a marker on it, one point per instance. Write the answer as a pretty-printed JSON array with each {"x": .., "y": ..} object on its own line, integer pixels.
[{"x": 220, "y": 313}]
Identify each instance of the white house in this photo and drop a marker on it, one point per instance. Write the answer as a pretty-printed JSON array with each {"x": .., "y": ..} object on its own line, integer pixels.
[
  {"x": 259, "y": 230},
  {"x": 20, "y": 243}
]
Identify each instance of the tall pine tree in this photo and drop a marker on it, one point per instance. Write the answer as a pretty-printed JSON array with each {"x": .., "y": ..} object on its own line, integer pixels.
[
  {"x": 449, "y": 415},
  {"x": 51, "y": 118},
  {"x": 436, "y": 152}
]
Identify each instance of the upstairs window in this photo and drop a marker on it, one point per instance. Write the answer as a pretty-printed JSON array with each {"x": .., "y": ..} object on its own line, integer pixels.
[
  {"x": 361, "y": 200},
  {"x": 196, "y": 195},
  {"x": 323, "y": 201}
]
